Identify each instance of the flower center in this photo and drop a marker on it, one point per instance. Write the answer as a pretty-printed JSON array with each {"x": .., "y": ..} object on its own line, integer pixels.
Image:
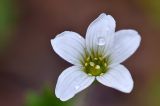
[{"x": 95, "y": 66}]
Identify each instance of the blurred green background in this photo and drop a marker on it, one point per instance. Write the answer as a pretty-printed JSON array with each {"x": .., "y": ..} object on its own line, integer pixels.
[
  {"x": 45, "y": 98},
  {"x": 28, "y": 63}
]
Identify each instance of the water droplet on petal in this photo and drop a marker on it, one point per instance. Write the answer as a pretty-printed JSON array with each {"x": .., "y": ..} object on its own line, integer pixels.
[
  {"x": 77, "y": 87},
  {"x": 101, "y": 41}
]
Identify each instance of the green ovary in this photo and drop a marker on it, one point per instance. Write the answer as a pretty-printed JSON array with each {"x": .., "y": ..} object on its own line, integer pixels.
[{"x": 95, "y": 66}]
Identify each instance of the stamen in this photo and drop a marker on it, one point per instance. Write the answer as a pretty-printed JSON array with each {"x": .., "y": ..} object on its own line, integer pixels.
[
  {"x": 105, "y": 64},
  {"x": 92, "y": 64},
  {"x": 95, "y": 58},
  {"x": 97, "y": 67},
  {"x": 86, "y": 64}
]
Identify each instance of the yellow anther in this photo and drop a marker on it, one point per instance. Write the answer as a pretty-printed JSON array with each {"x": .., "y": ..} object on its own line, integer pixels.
[
  {"x": 105, "y": 64},
  {"x": 86, "y": 64},
  {"x": 92, "y": 64},
  {"x": 97, "y": 67},
  {"x": 95, "y": 58}
]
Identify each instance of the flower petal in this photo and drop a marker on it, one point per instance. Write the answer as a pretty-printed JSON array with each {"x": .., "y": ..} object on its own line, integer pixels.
[
  {"x": 100, "y": 34},
  {"x": 70, "y": 46},
  {"x": 126, "y": 43},
  {"x": 118, "y": 78},
  {"x": 71, "y": 81}
]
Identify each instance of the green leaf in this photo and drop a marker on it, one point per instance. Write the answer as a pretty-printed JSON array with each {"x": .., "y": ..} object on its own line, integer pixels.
[{"x": 45, "y": 98}]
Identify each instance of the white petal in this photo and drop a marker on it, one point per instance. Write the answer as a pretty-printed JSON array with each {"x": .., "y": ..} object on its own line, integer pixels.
[
  {"x": 126, "y": 43},
  {"x": 70, "y": 46},
  {"x": 118, "y": 78},
  {"x": 71, "y": 81},
  {"x": 100, "y": 33}
]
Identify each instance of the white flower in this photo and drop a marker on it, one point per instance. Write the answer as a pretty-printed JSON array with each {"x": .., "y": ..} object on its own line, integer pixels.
[{"x": 96, "y": 57}]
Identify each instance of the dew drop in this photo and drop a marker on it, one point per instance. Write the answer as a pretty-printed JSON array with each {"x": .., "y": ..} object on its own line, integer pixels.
[{"x": 101, "y": 41}]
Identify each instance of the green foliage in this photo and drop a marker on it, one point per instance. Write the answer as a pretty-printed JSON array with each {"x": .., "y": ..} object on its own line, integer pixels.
[
  {"x": 154, "y": 91},
  {"x": 46, "y": 98},
  {"x": 6, "y": 14},
  {"x": 7, "y": 19},
  {"x": 153, "y": 8}
]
